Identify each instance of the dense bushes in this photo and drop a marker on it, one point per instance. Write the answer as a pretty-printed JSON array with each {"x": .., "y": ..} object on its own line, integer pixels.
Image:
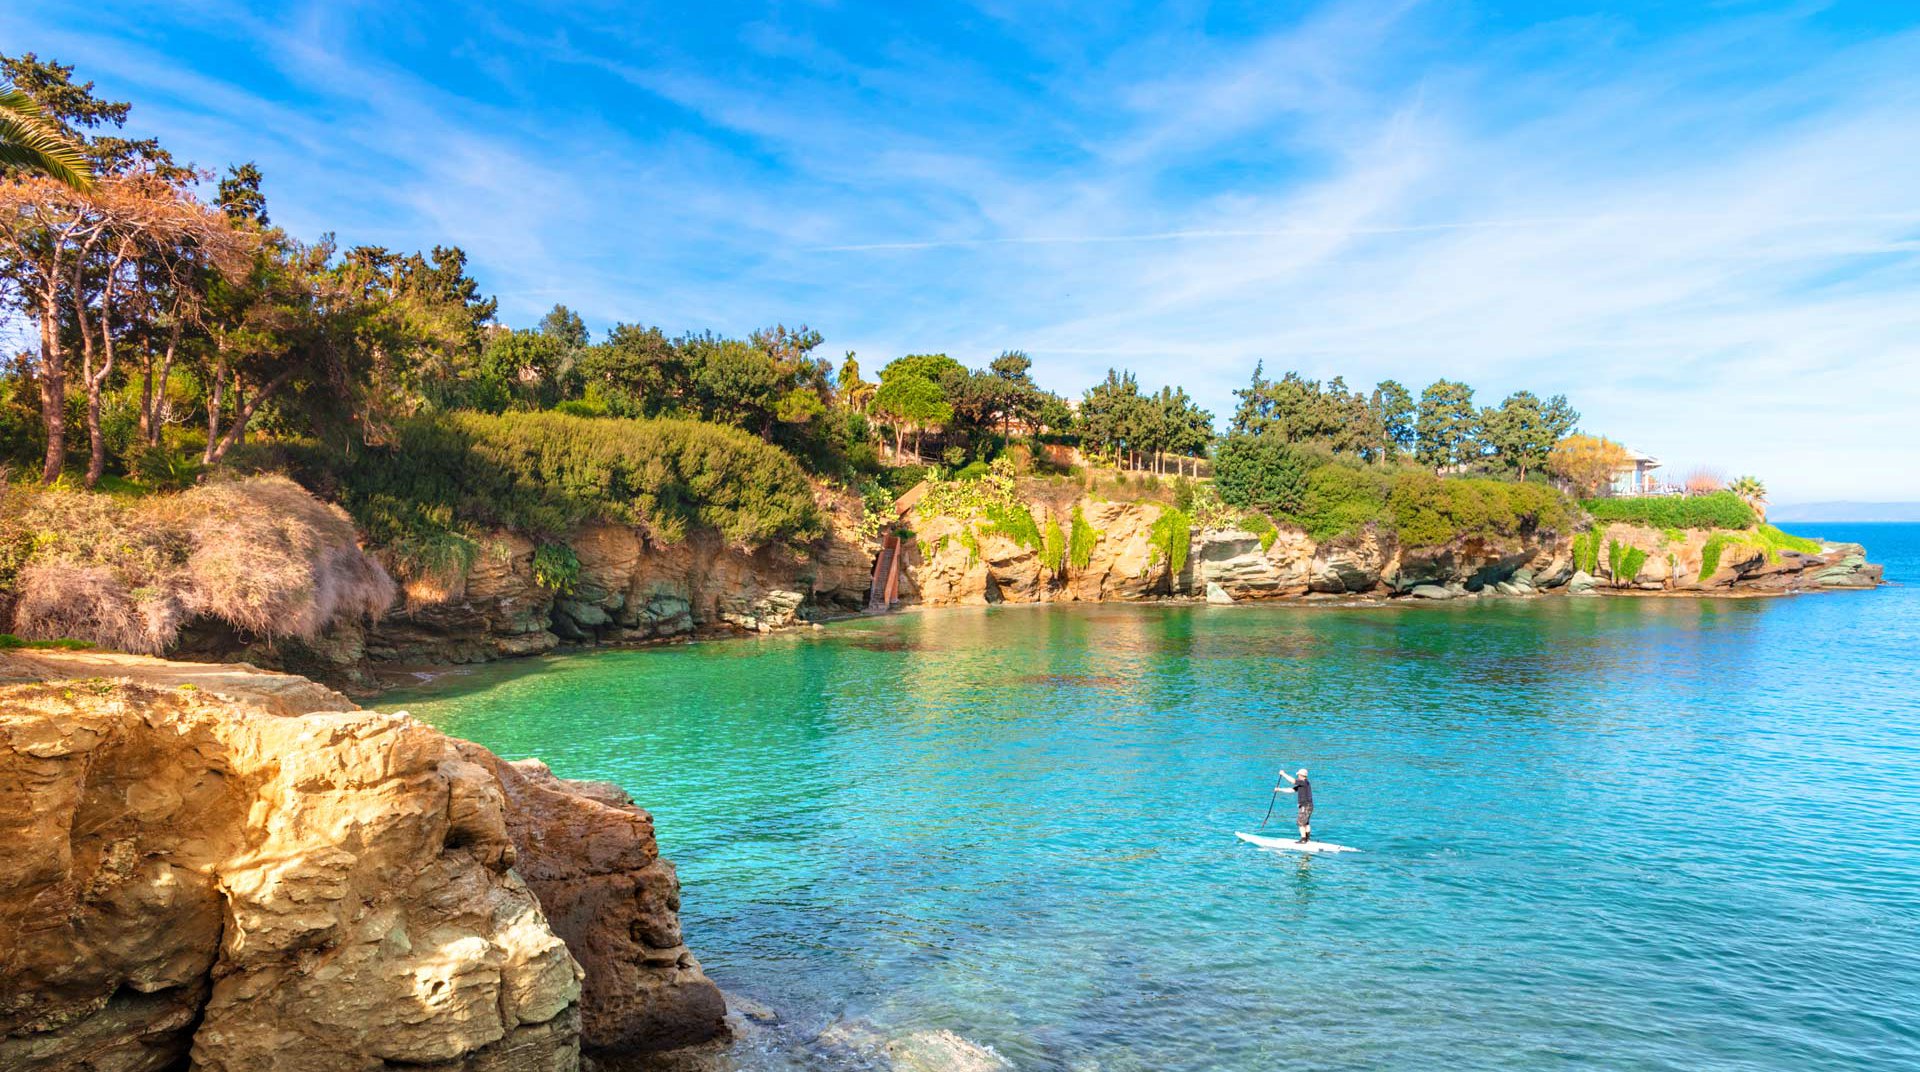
[
  {"x": 1263, "y": 473},
  {"x": 260, "y": 554},
  {"x": 1335, "y": 497},
  {"x": 543, "y": 474},
  {"x": 1428, "y": 510},
  {"x": 1720, "y": 510}
]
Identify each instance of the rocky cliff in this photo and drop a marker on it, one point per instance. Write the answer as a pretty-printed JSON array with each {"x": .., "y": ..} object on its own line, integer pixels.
[
  {"x": 242, "y": 871},
  {"x": 956, "y": 561},
  {"x": 629, "y": 589}
]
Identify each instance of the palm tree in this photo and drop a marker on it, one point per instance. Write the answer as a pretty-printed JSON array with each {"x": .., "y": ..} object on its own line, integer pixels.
[
  {"x": 1752, "y": 492},
  {"x": 28, "y": 141}
]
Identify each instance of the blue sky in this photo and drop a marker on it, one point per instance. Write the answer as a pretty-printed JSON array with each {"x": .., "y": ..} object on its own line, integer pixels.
[{"x": 1699, "y": 221}]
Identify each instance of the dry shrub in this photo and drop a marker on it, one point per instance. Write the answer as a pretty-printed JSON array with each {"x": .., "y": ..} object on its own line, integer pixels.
[
  {"x": 259, "y": 554},
  {"x": 1704, "y": 481}
]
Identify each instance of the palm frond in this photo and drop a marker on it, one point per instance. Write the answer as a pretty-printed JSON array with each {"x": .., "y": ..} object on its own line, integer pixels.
[{"x": 29, "y": 141}]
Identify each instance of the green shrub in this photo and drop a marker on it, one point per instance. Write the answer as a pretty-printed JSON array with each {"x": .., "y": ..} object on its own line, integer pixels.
[
  {"x": 1428, "y": 510},
  {"x": 1624, "y": 562},
  {"x": 971, "y": 542},
  {"x": 1341, "y": 499},
  {"x": 1720, "y": 510},
  {"x": 1255, "y": 522},
  {"x": 1170, "y": 537},
  {"x": 1586, "y": 551},
  {"x": 10, "y": 642},
  {"x": 1053, "y": 548},
  {"x": 543, "y": 474},
  {"x": 1014, "y": 521},
  {"x": 1081, "y": 539},
  {"x": 1711, "y": 551},
  {"x": 555, "y": 567},
  {"x": 580, "y": 407},
  {"x": 1262, "y": 472},
  {"x": 165, "y": 469},
  {"x": 1774, "y": 541}
]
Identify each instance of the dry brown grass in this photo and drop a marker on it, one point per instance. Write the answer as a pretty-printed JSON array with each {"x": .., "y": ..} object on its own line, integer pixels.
[{"x": 259, "y": 554}]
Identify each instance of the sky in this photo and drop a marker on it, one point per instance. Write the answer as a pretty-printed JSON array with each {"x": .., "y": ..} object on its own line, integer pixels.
[{"x": 1701, "y": 222}]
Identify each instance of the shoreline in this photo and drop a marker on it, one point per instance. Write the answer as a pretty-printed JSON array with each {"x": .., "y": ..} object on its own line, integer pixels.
[{"x": 398, "y": 677}]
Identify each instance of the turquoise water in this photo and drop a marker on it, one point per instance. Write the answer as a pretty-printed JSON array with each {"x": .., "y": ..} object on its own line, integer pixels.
[{"x": 1599, "y": 833}]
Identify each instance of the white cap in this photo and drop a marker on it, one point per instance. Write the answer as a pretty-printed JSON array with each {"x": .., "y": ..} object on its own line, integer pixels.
[{"x": 1302, "y": 774}]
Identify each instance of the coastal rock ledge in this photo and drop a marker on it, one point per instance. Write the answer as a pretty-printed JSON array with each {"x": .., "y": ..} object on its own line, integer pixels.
[{"x": 218, "y": 868}]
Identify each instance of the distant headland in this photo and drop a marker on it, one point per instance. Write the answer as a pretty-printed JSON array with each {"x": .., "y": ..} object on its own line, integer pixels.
[{"x": 1841, "y": 510}]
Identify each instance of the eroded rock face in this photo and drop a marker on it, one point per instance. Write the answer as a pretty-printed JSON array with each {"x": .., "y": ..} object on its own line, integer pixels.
[
  {"x": 629, "y": 589},
  {"x": 589, "y": 855},
  {"x": 1234, "y": 561},
  {"x": 940, "y": 568},
  {"x": 215, "y": 866}
]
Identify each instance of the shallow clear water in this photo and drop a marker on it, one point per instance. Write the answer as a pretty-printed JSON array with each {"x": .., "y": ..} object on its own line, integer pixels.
[{"x": 1608, "y": 833}]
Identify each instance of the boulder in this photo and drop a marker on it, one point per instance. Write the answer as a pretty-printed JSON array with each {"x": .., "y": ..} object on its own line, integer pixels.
[
  {"x": 1235, "y": 560},
  {"x": 1352, "y": 565},
  {"x": 1217, "y": 594},
  {"x": 1582, "y": 583},
  {"x": 331, "y": 891},
  {"x": 250, "y": 874},
  {"x": 589, "y": 855},
  {"x": 1431, "y": 591}
]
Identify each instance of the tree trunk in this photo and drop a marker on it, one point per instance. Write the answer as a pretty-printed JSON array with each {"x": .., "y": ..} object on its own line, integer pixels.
[
  {"x": 214, "y": 400},
  {"x": 157, "y": 403},
  {"x": 242, "y": 414},
  {"x": 53, "y": 387}
]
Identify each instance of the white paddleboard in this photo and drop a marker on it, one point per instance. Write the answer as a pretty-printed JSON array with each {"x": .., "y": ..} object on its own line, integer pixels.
[{"x": 1293, "y": 843}]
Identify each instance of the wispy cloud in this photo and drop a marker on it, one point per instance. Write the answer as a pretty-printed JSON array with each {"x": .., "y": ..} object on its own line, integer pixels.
[{"x": 1702, "y": 228}]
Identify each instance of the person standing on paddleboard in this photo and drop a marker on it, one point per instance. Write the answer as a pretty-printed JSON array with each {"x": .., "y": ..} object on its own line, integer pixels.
[{"x": 1302, "y": 790}]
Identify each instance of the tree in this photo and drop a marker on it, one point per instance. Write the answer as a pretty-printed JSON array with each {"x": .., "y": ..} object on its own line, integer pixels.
[
  {"x": 855, "y": 393},
  {"x": 1522, "y": 431},
  {"x": 910, "y": 399},
  {"x": 30, "y": 143},
  {"x": 1013, "y": 365},
  {"x": 240, "y": 197},
  {"x": 1587, "y": 463},
  {"x": 1752, "y": 492},
  {"x": 1393, "y": 413},
  {"x": 1445, "y": 425},
  {"x": 1113, "y": 416}
]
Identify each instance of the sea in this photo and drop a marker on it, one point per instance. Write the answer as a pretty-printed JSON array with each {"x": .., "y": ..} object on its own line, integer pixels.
[{"x": 1610, "y": 833}]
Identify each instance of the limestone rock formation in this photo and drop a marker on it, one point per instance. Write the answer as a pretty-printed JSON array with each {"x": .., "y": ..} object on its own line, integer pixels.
[
  {"x": 588, "y": 853},
  {"x": 629, "y": 589},
  {"x": 240, "y": 869}
]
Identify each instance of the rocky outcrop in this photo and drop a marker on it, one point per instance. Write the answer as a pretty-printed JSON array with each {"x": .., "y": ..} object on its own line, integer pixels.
[
  {"x": 242, "y": 870},
  {"x": 1737, "y": 562},
  {"x": 629, "y": 589},
  {"x": 588, "y": 854},
  {"x": 956, "y": 562}
]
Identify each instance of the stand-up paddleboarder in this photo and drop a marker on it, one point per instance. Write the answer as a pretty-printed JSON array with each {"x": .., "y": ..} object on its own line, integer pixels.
[{"x": 1302, "y": 790}]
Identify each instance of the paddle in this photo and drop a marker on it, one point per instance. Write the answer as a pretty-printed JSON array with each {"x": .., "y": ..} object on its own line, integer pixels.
[{"x": 1272, "y": 799}]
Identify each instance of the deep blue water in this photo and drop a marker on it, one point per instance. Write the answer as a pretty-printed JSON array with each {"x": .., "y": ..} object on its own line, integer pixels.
[{"x": 1597, "y": 833}]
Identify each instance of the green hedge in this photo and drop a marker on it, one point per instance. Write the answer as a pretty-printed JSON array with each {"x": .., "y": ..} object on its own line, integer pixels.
[
  {"x": 543, "y": 474},
  {"x": 1720, "y": 510}
]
